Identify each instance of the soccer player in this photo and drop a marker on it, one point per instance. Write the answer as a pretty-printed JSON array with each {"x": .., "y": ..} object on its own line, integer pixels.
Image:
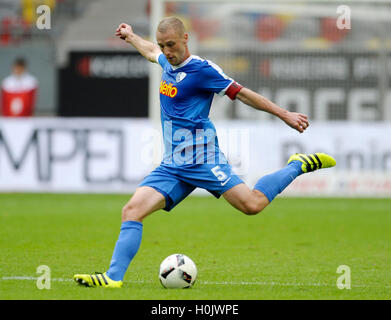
[{"x": 186, "y": 93}]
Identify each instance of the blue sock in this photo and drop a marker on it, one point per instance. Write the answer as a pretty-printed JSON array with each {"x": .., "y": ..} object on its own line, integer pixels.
[
  {"x": 125, "y": 249},
  {"x": 273, "y": 184}
]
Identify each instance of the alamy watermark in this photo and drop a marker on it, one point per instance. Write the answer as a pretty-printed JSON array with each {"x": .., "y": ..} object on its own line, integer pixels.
[
  {"x": 198, "y": 146},
  {"x": 44, "y": 279},
  {"x": 344, "y": 280},
  {"x": 344, "y": 18},
  {"x": 44, "y": 17}
]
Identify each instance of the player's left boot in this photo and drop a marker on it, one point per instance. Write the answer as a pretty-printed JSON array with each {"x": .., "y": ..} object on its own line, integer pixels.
[
  {"x": 313, "y": 161},
  {"x": 97, "y": 280}
]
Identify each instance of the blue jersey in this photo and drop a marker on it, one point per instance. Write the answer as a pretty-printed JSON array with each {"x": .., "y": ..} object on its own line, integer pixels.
[
  {"x": 192, "y": 157},
  {"x": 186, "y": 94}
]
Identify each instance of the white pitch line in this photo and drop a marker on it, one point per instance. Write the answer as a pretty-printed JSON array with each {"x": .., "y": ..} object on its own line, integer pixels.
[
  {"x": 33, "y": 278},
  {"x": 284, "y": 284},
  {"x": 220, "y": 283}
]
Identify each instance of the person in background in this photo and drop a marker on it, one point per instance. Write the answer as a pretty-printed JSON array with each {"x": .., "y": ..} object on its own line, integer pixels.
[{"x": 18, "y": 91}]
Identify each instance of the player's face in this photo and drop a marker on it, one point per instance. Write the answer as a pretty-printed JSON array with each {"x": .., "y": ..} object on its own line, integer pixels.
[
  {"x": 173, "y": 46},
  {"x": 18, "y": 70}
]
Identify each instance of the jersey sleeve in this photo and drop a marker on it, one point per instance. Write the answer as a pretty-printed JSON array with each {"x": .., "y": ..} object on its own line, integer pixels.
[
  {"x": 213, "y": 79},
  {"x": 162, "y": 60}
]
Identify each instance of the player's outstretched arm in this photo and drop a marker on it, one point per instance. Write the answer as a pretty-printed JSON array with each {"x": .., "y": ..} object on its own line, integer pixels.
[
  {"x": 146, "y": 48},
  {"x": 295, "y": 120}
]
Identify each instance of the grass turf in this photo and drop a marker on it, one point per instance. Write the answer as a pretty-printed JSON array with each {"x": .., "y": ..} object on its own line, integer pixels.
[{"x": 289, "y": 251}]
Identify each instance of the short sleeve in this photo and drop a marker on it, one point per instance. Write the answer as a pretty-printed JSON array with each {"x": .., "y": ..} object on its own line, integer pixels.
[
  {"x": 162, "y": 60},
  {"x": 213, "y": 78}
]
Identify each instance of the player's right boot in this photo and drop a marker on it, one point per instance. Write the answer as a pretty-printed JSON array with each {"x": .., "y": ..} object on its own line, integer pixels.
[
  {"x": 97, "y": 280},
  {"x": 313, "y": 161}
]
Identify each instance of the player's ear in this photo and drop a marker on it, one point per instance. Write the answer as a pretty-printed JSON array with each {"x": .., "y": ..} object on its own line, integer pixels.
[{"x": 186, "y": 37}]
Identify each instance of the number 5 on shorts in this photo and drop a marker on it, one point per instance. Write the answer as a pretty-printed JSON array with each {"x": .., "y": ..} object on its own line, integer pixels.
[{"x": 220, "y": 175}]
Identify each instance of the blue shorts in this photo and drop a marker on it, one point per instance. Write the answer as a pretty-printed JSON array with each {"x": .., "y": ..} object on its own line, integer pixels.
[{"x": 176, "y": 183}]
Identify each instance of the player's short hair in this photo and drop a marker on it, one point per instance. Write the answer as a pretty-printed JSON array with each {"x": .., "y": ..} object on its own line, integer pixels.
[
  {"x": 171, "y": 22},
  {"x": 20, "y": 62}
]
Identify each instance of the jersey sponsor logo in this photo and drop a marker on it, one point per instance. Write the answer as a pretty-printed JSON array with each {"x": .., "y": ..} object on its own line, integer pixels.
[{"x": 167, "y": 89}]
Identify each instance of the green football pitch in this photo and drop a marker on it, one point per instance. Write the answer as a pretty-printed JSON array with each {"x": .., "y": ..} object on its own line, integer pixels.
[{"x": 292, "y": 250}]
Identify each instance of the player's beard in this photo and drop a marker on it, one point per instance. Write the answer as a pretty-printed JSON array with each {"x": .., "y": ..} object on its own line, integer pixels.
[
  {"x": 173, "y": 61},
  {"x": 177, "y": 59}
]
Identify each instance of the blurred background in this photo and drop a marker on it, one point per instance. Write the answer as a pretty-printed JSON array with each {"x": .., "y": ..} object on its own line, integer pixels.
[{"x": 82, "y": 117}]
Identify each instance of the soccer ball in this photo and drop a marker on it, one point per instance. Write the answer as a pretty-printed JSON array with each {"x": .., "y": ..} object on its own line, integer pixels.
[{"x": 177, "y": 271}]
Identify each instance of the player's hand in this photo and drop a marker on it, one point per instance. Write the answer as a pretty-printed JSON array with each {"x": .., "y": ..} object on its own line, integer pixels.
[
  {"x": 297, "y": 121},
  {"x": 123, "y": 31}
]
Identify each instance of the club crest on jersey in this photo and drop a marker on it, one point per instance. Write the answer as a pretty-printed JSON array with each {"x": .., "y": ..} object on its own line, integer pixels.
[
  {"x": 167, "y": 89},
  {"x": 180, "y": 76}
]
